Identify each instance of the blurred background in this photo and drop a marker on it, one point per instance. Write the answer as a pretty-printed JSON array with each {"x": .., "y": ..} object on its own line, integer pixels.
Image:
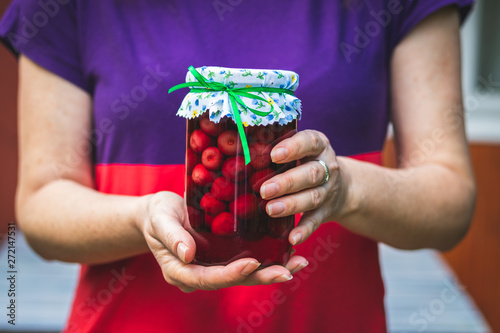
[{"x": 415, "y": 280}]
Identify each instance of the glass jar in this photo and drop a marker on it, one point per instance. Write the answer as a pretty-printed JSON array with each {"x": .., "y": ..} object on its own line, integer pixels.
[{"x": 227, "y": 216}]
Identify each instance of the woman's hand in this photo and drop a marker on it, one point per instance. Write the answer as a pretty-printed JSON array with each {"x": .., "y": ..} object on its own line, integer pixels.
[
  {"x": 162, "y": 221},
  {"x": 302, "y": 189}
]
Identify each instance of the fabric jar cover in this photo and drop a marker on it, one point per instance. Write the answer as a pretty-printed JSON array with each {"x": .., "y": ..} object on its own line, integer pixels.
[{"x": 286, "y": 106}]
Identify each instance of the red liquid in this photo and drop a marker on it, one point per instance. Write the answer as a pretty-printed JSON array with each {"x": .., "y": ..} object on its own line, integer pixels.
[{"x": 227, "y": 216}]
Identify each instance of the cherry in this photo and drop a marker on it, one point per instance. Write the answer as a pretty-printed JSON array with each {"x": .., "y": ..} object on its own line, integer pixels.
[
  {"x": 201, "y": 176},
  {"x": 244, "y": 206},
  {"x": 212, "y": 158},
  {"x": 199, "y": 141},
  {"x": 223, "y": 189},
  {"x": 228, "y": 142},
  {"x": 225, "y": 224},
  {"x": 260, "y": 155},
  {"x": 212, "y": 206},
  {"x": 262, "y": 133},
  {"x": 210, "y": 127},
  {"x": 235, "y": 170}
]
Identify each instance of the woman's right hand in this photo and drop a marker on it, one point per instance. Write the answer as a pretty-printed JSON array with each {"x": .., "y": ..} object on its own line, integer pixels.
[{"x": 161, "y": 221}]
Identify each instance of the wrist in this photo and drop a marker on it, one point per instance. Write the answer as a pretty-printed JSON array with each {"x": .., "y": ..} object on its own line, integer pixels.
[
  {"x": 140, "y": 215},
  {"x": 348, "y": 200}
]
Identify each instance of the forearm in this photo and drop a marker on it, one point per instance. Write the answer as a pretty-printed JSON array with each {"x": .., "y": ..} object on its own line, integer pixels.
[
  {"x": 423, "y": 206},
  {"x": 67, "y": 221}
]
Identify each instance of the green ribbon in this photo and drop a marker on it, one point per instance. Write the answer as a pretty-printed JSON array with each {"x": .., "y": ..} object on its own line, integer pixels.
[{"x": 234, "y": 97}]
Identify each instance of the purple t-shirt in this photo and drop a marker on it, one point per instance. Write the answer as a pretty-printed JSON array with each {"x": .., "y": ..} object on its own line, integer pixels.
[{"x": 126, "y": 54}]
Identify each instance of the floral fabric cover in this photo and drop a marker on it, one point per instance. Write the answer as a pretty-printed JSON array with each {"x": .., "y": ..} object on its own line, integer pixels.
[{"x": 286, "y": 107}]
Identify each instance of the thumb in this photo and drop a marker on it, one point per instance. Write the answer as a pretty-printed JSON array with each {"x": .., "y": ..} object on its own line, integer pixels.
[{"x": 168, "y": 224}]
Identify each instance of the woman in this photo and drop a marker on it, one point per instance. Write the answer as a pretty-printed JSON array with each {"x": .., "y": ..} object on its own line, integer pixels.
[{"x": 102, "y": 153}]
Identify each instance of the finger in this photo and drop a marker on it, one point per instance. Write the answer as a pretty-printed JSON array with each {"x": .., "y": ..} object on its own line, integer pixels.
[
  {"x": 296, "y": 203},
  {"x": 214, "y": 277},
  {"x": 174, "y": 237},
  {"x": 296, "y": 263},
  {"x": 269, "y": 275},
  {"x": 308, "y": 223},
  {"x": 303, "y": 144},
  {"x": 307, "y": 175}
]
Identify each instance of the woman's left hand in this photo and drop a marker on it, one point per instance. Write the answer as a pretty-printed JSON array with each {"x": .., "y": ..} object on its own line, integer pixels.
[{"x": 303, "y": 189}]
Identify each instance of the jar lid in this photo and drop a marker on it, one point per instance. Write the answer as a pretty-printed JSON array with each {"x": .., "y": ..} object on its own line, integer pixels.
[{"x": 279, "y": 105}]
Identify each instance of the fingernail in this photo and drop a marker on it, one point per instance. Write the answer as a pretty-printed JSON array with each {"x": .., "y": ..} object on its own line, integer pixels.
[
  {"x": 299, "y": 267},
  {"x": 181, "y": 251},
  {"x": 279, "y": 154},
  {"x": 250, "y": 267},
  {"x": 269, "y": 190},
  {"x": 276, "y": 208},
  {"x": 283, "y": 278},
  {"x": 297, "y": 238}
]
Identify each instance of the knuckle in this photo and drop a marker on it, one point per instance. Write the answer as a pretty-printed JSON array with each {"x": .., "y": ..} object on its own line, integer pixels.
[
  {"x": 231, "y": 280},
  {"x": 333, "y": 166},
  {"x": 314, "y": 173},
  {"x": 313, "y": 225},
  {"x": 154, "y": 201},
  {"x": 324, "y": 139},
  {"x": 169, "y": 279},
  {"x": 287, "y": 182},
  {"x": 155, "y": 224},
  {"x": 291, "y": 205},
  {"x": 313, "y": 138},
  {"x": 330, "y": 149},
  {"x": 170, "y": 241},
  {"x": 315, "y": 197},
  {"x": 204, "y": 283},
  {"x": 154, "y": 220}
]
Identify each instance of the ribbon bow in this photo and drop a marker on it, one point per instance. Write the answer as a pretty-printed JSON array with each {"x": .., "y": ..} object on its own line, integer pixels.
[{"x": 234, "y": 97}]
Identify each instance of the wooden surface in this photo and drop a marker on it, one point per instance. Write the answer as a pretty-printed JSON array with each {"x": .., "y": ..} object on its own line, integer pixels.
[
  {"x": 423, "y": 295},
  {"x": 476, "y": 260}
]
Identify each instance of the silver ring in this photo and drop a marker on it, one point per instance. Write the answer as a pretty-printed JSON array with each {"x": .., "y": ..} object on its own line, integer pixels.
[{"x": 327, "y": 173}]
